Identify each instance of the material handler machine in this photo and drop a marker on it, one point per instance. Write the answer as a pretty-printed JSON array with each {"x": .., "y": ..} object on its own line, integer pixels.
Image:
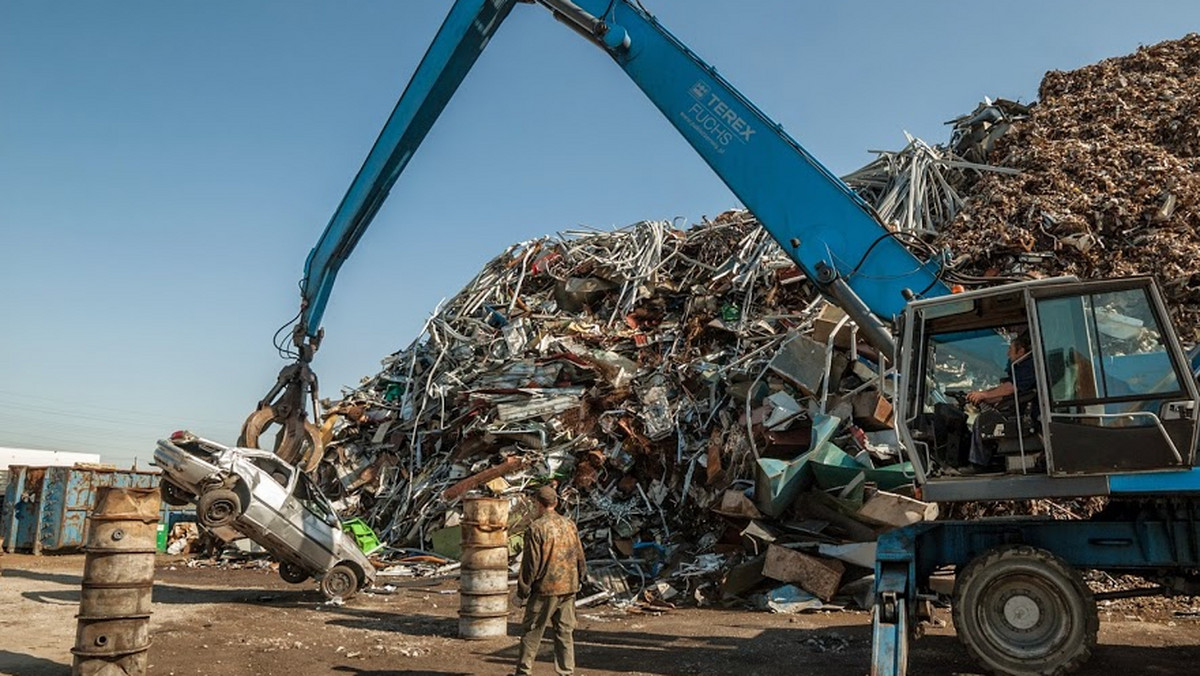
[{"x": 1113, "y": 412}]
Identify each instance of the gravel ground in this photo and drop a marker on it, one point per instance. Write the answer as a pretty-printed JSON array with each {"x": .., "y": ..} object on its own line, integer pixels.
[{"x": 248, "y": 622}]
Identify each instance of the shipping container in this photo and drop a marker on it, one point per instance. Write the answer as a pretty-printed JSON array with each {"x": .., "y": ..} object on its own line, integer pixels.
[{"x": 46, "y": 508}]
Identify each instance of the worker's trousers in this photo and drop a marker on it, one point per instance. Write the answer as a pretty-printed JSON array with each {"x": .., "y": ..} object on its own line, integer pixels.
[{"x": 558, "y": 611}]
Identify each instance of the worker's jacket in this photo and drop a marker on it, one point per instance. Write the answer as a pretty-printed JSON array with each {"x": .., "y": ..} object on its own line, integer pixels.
[{"x": 552, "y": 563}]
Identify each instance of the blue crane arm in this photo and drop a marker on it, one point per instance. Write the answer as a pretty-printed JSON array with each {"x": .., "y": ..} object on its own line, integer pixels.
[
  {"x": 460, "y": 40},
  {"x": 820, "y": 222},
  {"x": 827, "y": 229}
]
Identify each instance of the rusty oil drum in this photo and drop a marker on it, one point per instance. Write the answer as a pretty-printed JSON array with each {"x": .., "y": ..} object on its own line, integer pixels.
[
  {"x": 489, "y": 513},
  {"x": 113, "y": 631},
  {"x": 478, "y": 557},
  {"x": 474, "y": 537},
  {"x": 483, "y": 578}
]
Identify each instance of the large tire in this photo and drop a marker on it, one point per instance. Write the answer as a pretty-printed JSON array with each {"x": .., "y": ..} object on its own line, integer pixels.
[
  {"x": 218, "y": 507},
  {"x": 1025, "y": 612},
  {"x": 292, "y": 573},
  {"x": 341, "y": 582},
  {"x": 174, "y": 495}
]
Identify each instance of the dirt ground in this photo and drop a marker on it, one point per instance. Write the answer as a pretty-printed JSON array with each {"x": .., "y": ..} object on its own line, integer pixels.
[{"x": 249, "y": 622}]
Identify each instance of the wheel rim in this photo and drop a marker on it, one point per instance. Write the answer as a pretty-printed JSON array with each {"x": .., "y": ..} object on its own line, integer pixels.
[
  {"x": 1022, "y": 612},
  {"x": 1025, "y": 616},
  {"x": 220, "y": 511},
  {"x": 339, "y": 583}
]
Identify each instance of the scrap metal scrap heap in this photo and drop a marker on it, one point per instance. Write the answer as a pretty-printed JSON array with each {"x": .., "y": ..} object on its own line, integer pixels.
[
  {"x": 1109, "y": 183},
  {"x": 654, "y": 372},
  {"x": 713, "y": 423}
]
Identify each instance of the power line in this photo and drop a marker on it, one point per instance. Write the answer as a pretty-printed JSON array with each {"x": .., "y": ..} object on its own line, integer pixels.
[
  {"x": 67, "y": 416},
  {"x": 81, "y": 431},
  {"x": 82, "y": 434},
  {"x": 75, "y": 406}
]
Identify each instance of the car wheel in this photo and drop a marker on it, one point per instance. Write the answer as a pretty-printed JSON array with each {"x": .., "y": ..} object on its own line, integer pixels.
[
  {"x": 292, "y": 573},
  {"x": 218, "y": 507},
  {"x": 174, "y": 495},
  {"x": 340, "y": 582},
  {"x": 1021, "y": 610}
]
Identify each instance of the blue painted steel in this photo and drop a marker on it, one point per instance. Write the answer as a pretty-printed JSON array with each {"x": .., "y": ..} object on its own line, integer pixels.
[
  {"x": 1174, "y": 482},
  {"x": 1151, "y": 541},
  {"x": 1160, "y": 538},
  {"x": 794, "y": 196},
  {"x": 458, "y": 43},
  {"x": 889, "y": 635},
  {"x": 51, "y": 514},
  {"x": 792, "y": 193},
  {"x": 15, "y": 508},
  {"x": 24, "y": 497}
]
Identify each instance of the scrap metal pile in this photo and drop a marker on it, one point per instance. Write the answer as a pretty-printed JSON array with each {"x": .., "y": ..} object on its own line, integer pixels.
[
  {"x": 1109, "y": 184},
  {"x": 921, "y": 188},
  {"x": 656, "y": 374}
]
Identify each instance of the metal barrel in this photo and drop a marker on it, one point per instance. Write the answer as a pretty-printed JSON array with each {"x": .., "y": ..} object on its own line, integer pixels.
[
  {"x": 113, "y": 632},
  {"x": 477, "y": 557},
  {"x": 483, "y": 581},
  {"x": 490, "y": 513}
]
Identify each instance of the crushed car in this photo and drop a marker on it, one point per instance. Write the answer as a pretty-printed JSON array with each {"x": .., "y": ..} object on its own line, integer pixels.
[{"x": 253, "y": 493}]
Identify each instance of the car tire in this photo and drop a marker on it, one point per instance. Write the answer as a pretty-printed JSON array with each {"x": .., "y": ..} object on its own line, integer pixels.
[
  {"x": 218, "y": 507},
  {"x": 174, "y": 495},
  {"x": 292, "y": 573},
  {"x": 339, "y": 582}
]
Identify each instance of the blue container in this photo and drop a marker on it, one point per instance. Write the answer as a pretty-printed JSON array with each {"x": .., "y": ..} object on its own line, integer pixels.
[{"x": 46, "y": 508}]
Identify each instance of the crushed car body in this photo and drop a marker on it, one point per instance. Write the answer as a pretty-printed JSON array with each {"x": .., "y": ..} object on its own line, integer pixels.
[{"x": 252, "y": 493}]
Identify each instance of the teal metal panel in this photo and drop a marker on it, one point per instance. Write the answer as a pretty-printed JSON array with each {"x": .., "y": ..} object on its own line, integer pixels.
[
  {"x": 14, "y": 509},
  {"x": 55, "y": 516},
  {"x": 65, "y": 501}
]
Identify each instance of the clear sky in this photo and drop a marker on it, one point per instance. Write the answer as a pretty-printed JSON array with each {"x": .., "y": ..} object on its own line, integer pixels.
[{"x": 165, "y": 168}]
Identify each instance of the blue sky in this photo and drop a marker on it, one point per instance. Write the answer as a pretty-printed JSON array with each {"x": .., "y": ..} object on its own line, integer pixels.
[{"x": 165, "y": 168}]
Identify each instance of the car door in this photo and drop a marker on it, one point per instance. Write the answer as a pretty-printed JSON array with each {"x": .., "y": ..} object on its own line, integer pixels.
[
  {"x": 317, "y": 521},
  {"x": 269, "y": 480}
]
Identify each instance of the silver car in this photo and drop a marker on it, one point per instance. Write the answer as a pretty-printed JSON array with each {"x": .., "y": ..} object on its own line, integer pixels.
[{"x": 250, "y": 492}]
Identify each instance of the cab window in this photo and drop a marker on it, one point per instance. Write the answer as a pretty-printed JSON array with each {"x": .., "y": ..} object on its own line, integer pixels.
[
  {"x": 1105, "y": 352},
  {"x": 962, "y": 361}
]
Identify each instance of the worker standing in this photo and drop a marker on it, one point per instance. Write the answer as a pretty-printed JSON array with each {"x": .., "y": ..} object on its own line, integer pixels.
[{"x": 552, "y": 566}]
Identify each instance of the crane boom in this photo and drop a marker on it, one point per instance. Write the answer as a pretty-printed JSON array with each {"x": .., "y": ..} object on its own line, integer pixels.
[
  {"x": 459, "y": 42},
  {"x": 828, "y": 230}
]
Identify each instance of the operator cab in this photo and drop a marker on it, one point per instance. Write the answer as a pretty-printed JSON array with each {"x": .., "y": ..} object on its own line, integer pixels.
[{"x": 1112, "y": 393}]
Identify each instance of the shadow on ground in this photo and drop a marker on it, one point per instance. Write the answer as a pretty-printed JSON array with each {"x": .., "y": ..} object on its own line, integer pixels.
[
  {"x": 168, "y": 593},
  {"x": 28, "y": 665},
  {"x": 388, "y": 672}
]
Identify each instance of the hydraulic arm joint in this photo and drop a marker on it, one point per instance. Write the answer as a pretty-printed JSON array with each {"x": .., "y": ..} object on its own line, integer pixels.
[{"x": 298, "y": 440}]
